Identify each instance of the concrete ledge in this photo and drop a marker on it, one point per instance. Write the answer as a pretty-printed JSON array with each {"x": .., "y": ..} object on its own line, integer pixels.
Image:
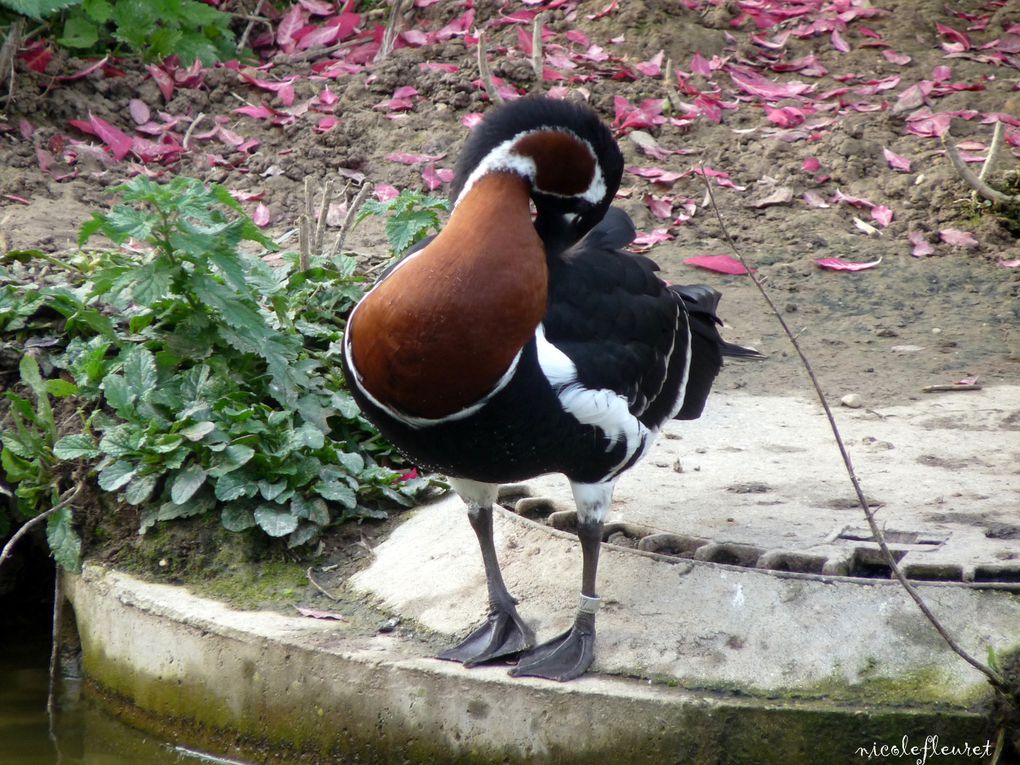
[{"x": 299, "y": 685}]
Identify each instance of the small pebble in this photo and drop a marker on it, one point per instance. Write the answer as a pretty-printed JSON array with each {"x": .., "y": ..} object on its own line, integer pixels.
[
  {"x": 851, "y": 401},
  {"x": 389, "y": 625}
]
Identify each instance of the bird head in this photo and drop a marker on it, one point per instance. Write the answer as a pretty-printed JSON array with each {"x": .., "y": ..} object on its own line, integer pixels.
[{"x": 563, "y": 149}]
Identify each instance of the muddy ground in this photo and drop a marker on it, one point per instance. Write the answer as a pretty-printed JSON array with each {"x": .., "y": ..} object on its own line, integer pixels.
[{"x": 794, "y": 160}]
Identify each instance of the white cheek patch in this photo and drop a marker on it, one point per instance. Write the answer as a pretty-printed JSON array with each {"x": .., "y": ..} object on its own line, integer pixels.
[{"x": 503, "y": 158}]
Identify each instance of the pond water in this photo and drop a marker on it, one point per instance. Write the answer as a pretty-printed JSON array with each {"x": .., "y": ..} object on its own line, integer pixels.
[{"x": 82, "y": 734}]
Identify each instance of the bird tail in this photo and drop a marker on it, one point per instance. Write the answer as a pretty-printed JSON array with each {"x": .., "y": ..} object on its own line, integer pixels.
[{"x": 707, "y": 346}]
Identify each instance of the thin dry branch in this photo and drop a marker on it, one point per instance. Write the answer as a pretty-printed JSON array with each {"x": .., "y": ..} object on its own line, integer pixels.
[
  {"x": 191, "y": 129},
  {"x": 993, "y": 150},
  {"x": 390, "y": 35},
  {"x": 319, "y": 587},
  {"x": 993, "y": 677},
  {"x": 320, "y": 223},
  {"x": 7, "y": 52},
  {"x": 669, "y": 84},
  {"x": 252, "y": 20},
  {"x": 972, "y": 180},
  {"x": 486, "y": 73},
  {"x": 67, "y": 498},
  {"x": 349, "y": 218},
  {"x": 537, "y": 54}
]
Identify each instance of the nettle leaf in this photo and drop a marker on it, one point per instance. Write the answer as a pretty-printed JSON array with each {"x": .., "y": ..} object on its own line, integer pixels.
[
  {"x": 314, "y": 509},
  {"x": 151, "y": 282},
  {"x": 76, "y": 447},
  {"x": 230, "y": 459},
  {"x": 140, "y": 488},
  {"x": 60, "y": 388},
  {"x": 119, "y": 395},
  {"x": 116, "y": 475},
  {"x": 38, "y": 9},
  {"x": 237, "y": 517},
  {"x": 64, "y": 541},
  {"x": 235, "y": 485},
  {"x": 140, "y": 371},
  {"x": 275, "y": 522},
  {"x": 406, "y": 228},
  {"x": 186, "y": 483},
  {"x": 337, "y": 492},
  {"x": 198, "y": 431},
  {"x": 20, "y": 445}
]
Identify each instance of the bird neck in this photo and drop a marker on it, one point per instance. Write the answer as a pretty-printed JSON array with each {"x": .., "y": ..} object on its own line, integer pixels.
[{"x": 442, "y": 330}]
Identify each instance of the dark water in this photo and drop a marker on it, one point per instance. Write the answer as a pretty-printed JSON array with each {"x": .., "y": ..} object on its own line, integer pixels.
[{"x": 81, "y": 733}]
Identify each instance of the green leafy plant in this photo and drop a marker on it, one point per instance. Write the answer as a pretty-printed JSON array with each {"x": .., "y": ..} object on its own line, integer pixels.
[
  {"x": 208, "y": 381},
  {"x": 410, "y": 217},
  {"x": 153, "y": 30}
]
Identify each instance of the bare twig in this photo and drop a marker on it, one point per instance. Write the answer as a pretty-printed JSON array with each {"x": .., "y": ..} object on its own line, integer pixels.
[
  {"x": 350, "y": 217},
  {"x": 537, "y": 55},
  {"x": 191, "y": 129},
  {"x": 993, "y": 677},
  {"x": 390, "y": 35},
  {"x": 7, "y": 51},
  {"x": 319, "y": 587},
  {"x": 670, "y": 86},
  {"x": 67, "y": 498},
  {"x": 993, "y": 150},
  {"x": 58, "y": 625},
  {"x": 252, "y": 19},
  {"x": 319, "y": 51},
  {"x": 972, "y": 180},
  {"x": 320, "y": 223},
  {"x": 486, "y": 73},
  {"x": 949, "y": 387}
]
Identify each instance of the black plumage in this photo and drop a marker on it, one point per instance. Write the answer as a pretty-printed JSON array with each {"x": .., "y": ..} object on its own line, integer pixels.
[{"x": 617, "y": 353}]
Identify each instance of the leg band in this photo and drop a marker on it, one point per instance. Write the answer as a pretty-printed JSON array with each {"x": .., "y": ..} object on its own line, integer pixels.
[{"x": 588, "y": 605}]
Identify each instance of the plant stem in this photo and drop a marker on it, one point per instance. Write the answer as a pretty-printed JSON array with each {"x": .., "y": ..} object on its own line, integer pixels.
[{"x": 67, "y": 499}]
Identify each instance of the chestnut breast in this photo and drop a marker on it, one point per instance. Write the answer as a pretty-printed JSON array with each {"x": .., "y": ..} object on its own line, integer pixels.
[{"x": 440, "y": 331}]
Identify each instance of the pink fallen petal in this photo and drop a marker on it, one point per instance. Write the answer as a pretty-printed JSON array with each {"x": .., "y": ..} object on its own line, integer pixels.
[
  {"x": 838, "y": 264},
  {"x": 15, "y": 198},
  {"x": 921, "y": 247},
  {"x": 314, "y": 613},
  {"x": 970, "y": 381},
  {"x": 660, "y": 207},
  {"x": 1014, "y": 263},
  {"x": 957, "y": 238},
  {"x": 470, "y": 120},
  {"x": 118, "y": 141},
  {"x": 326, "y": 124},
  {"x": 260, "y": 112},
  {"x": 614, "y": 5},
  {"x": 261, "y": 216},
  {"x": 292, "y": 21},
  {"x": 652, "y": 67},
  {"x": 786, "y": 116},
  {"x": 139, "y": 111},
  {"x": 405, "y": 91},
  {"x": 814, "y": 199},
  {"x": 958, "y": 41},
  {"x": 83, "y": 73},
  {"x": 723, "y": 264},
  {"x": 385, "y": 192},
  {"x": 839, "y": 43},
  {"x": 435, "y": 178},
  {"x": 406, "y": 158},
  {"x": 811, "y": 165},
  {"x": 845, "y": 199},
  {"x": 882, "y": 215},
  {"x": 653, "y": 237},
  {"x": 896, "y": 161},
  {"x": 896, "y": 58},
  {"x": 756, "y": 85}
]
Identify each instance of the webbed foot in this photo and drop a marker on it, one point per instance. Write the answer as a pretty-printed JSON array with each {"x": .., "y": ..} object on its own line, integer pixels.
[
  {"x": 564, "y": 657},
  {"x": 503, "y": 634}
]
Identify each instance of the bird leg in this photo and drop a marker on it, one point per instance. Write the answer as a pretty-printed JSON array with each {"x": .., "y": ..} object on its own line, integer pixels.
[
  {"x": 504, "y": 632},
  {"x": 570, "y": 654}
]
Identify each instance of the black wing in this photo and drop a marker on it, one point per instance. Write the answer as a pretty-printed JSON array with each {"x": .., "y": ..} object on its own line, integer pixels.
[{"x": 621, "y": 325}]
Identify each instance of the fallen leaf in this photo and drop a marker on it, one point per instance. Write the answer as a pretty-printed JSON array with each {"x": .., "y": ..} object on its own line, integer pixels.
[
  {"x": 838, "y": 264},
  {"x": 781, "y": 196},
  {"x": 261, "y": 216},
  {"x": 314, "y": 613},
  {"x": 896, "y": 161},
  {"x": 882, "y": 215},
  {"x": 921, "y": 248},
  {"x": 957, "y": 238},
  {"x": 814, "y": 199},
  {"x": 722, "y": 264}
]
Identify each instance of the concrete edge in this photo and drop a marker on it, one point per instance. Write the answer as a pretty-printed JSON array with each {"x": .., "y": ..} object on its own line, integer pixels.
[{"x": 180, "y": 663}]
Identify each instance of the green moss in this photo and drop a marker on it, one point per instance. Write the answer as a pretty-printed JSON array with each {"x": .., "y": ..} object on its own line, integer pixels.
[{"x": 255, "y": 585}]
